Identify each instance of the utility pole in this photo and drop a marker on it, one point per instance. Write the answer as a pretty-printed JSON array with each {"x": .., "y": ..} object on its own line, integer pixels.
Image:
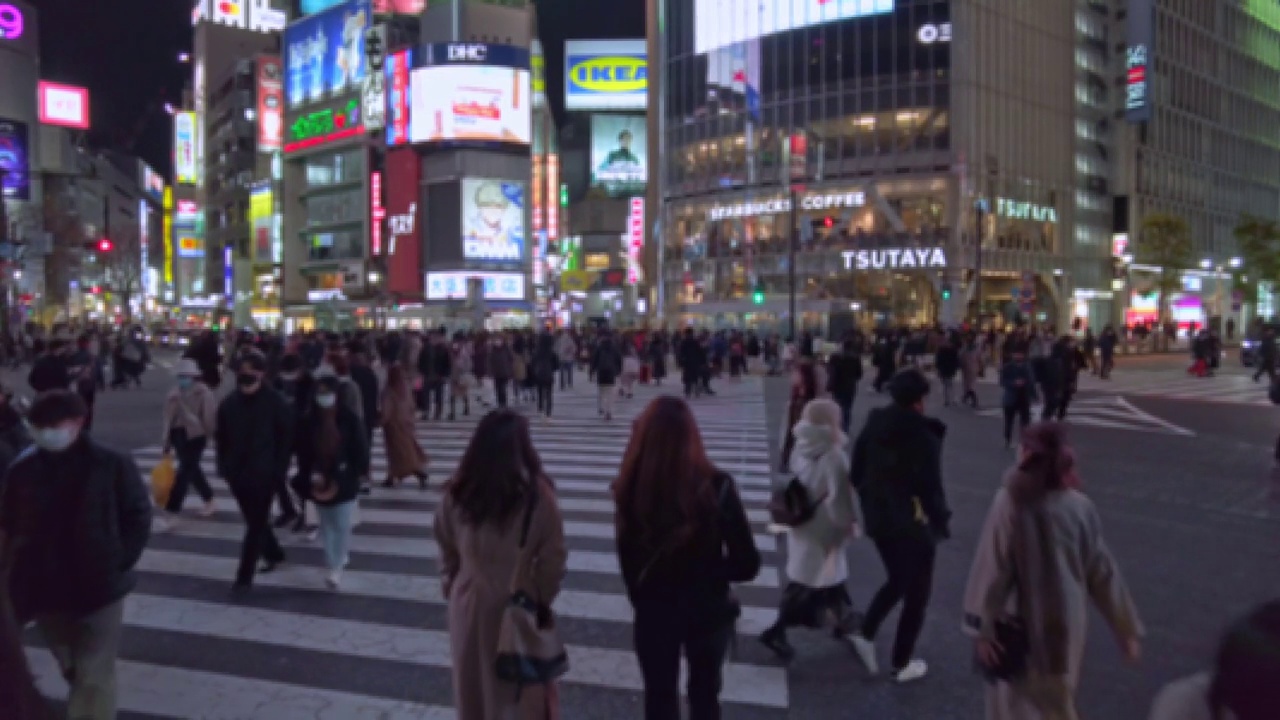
[
  {"x": 983, "y": 207},
  {"x": 794, "y": 234}
]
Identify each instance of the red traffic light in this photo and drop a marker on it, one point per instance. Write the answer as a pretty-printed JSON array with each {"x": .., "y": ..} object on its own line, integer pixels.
[
  {"x": 105, "y": 245},
  {"x": 96, "y": 290},
  {"x": 829, "y": 221}
]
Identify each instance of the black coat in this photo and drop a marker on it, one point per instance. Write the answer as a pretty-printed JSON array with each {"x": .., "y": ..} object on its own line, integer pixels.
[
  {"x": 844, "y": 370},
  {"x": 545, "y": 360},
  {"x": 49, "y": 372},
  {"x": 897, "y": 466},
  {"x": 352, "y": 461},
  {"x": 254, "y": 439},
  {"x": 365, "y": 379},
  {"x": 74, "y": 525},
  {"x": 607, "y": 362}
]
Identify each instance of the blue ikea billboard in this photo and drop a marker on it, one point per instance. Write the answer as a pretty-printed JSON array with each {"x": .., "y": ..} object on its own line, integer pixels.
[
  {"x": 606, "y": 75},
  {"x": 324, "y": 54}
]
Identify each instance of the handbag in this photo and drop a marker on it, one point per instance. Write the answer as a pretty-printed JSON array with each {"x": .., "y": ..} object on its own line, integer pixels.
[
  {"x": 1015, "y": 648},
  {"x": 792, "y": 505},
  {"x": 530, "y": 651}
]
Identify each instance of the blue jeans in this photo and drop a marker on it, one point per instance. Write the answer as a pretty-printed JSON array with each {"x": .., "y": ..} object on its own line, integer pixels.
[{"x": 335, "y": 532}]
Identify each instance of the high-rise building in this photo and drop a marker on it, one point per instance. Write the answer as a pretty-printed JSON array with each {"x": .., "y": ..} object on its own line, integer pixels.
[
  {"x": 1196, "y": 116},
  {"x": 922, "y": 153}
]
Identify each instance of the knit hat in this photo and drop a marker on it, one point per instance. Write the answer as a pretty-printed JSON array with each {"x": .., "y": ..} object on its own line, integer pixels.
[{"x": 187, "y": 368}]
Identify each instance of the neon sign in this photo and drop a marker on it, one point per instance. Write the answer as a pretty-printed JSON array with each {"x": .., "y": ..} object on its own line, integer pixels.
[
  {"x": 377, "y": 211},
  {"x": 1135, "y": 80},
  {"x": 325, "y": 126},
  {"x": 12, "y": 24}
]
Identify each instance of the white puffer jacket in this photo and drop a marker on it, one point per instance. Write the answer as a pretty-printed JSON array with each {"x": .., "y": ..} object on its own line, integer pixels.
[{"x": 816, "y": 550}]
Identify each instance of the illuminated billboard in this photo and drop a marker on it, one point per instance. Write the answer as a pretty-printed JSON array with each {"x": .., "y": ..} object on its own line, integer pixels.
[
  {"x": 270, "y": 104},
  {"x": 470, "y": 103},
  {"x": 62, "y": 105},
  {"x": 256, "y": 15},
  {"x": 15, "y": 160},
  {"x": 619, "y": 160},
  {"x": 492, "y": 220},
  {"x": 261, "y": 209},
  {"x": 17, "y": 26},
  {"x": 605, "y": 75},
  {"x": 501, "y": 286},
  {"x": 1137, "y": 61},
  {"x": 720, "y": 23},
  {"x": 398, "y": 68},
  {"x": 324, "y": 54},
  {"x": 387, "y": 7},
  {"x": 184, "y": 148},
  {"x": 188, "y": 226}
]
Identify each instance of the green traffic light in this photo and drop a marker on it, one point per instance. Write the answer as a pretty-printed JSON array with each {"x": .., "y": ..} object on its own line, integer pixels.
[{"x": 757, "y": 298}]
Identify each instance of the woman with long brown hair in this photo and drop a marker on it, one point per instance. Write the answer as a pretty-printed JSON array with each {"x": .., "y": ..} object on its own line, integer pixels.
[
  {"x": 808, "y": 382},
  {"x": 682, "y": 537},
  {"x": 479, "y": 527},
  {"x": 405, "y": 456}
]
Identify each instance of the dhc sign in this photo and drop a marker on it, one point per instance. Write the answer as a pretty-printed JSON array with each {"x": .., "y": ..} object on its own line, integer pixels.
[
  {"x": 895, "y": 259},
  {"x": 606, "y": 75}
]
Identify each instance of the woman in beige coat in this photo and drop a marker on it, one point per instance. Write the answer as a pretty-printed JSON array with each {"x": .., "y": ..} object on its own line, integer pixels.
[
  {"x": 477, "y": 527},
  {"x": 1041, "y": 559},
  {"x": 405, "y": 456}
]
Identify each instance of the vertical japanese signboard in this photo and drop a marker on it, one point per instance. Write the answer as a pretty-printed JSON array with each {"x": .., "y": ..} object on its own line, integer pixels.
[{"x": 1137, "y": 61}]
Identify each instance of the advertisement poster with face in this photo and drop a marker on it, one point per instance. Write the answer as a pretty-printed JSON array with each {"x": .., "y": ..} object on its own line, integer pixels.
[
  {"x": 15, "y": 163},
  {"x": 471, "y": 103},
  {"x": 619, "y": 160},
  {"x": 492, "y": 220},
  {"x": 324, "y": 53}
]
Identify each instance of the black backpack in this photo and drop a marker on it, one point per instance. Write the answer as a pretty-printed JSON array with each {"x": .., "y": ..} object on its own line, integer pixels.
[{"x": 792, "y": 506}]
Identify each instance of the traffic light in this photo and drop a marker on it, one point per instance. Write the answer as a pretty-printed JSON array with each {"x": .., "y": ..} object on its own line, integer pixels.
[
  {"x": 105, "y": 245},
  {"x": 946, "y": 291},
  {"x": 757, "y": 296}
]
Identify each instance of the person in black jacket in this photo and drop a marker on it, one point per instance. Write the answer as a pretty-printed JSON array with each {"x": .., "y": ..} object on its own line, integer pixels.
[
  {"x": 844, "y": 372},
  {"x": 683, "y": 537},
  {"x": 947, "y": 362},
  {"x": 295, "y": 383},
  {"x": 254, "y": 444},
  {"x": 74, "y": 519},
  {"x": 546, "y": 362},
  {"x": 607, "y": 364},
  {"x": 897, "y": 471},
  {"x": 334, "y": 459},
  {"x": 692, "y": 359},
  {"x": 49, "y": 371},
  {"x": 367, "y": 380},
  {"x": 435, "y": 365},
  {"x": 14, "y": 437}
]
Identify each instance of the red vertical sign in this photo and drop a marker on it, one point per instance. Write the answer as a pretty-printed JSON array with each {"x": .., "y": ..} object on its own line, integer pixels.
[
  {"x": 553, "y": 192},
  {"x": 377, "y": 213},
  {"x": 270, "y": 104},
  {"x": 404, "y": 239},
  {"x": 399, "y": 65}
]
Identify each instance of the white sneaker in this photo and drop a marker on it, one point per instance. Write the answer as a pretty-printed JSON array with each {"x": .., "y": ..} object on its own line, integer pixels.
[
  {"x": 914, "y": 670},
  {"x": 162, "y": 523},
  {"x": 207, "y": 510},
  {"x": 333, "y": 579},
  {"x": 866, "y": 651}
]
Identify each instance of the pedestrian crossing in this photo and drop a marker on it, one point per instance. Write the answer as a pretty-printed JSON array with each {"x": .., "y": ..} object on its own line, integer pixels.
[
  {"x": 1221, "y": 388},
  {"x": 379, "y": 647},
  {"x": 1112, "y": 413}
]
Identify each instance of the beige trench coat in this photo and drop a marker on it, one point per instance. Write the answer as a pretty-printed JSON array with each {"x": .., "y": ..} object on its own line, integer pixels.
[
  {"x": 476, "y": 564},
  {"x": 1088, "y": 572}
]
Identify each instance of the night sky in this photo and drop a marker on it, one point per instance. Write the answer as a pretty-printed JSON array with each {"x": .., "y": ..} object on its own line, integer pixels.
[{"x": 126, "y": 53}]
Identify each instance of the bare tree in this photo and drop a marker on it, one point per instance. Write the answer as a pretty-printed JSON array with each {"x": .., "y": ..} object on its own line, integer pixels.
[{"x": 123, "y": 265}]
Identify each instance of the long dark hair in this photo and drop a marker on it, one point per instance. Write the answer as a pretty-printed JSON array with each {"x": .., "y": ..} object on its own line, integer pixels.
[
  {"x": 1248, "y": 665},
  {"x": 325, "y": 436},
  {"x": 664, "y": 491},
  {"x": 499, "y": 469}
]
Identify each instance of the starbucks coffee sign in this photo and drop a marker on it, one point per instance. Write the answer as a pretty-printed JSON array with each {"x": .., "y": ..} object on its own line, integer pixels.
[{"x": 895, "y": 259}]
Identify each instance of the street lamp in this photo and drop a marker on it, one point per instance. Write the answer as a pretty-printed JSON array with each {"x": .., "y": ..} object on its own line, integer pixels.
[
  {"x": 1235, "y": 262},
  {"x": 184, "y": 57},
  {"x": 1206, "y": 263}
]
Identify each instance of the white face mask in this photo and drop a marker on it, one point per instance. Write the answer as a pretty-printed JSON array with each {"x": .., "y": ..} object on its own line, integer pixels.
[
  {"x": 54, "y": 439},
  {"x": 326, "y": 400}
]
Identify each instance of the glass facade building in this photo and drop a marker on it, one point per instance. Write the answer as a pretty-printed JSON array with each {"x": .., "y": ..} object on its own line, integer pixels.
[{"x": 890, "y": 119}]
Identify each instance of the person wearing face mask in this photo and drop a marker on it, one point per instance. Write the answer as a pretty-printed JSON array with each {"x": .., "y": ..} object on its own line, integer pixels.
[
  {"x": 295, "y": 383},
  {"x": 334, "y": 459},
  {"x": 254, "y": 444},
  {"x": 190, "y": 416},
  {"x": 74, "y": 519}
]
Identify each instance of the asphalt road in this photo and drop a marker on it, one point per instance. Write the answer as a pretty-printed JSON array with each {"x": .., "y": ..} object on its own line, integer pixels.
[{"x": 1183, "y": 484}]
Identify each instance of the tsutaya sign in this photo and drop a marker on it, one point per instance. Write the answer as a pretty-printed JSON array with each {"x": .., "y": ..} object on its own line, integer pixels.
[
  {"x": 1015, "y": 210},
  {"x": 895, "y": 259},
  {"x": 822, "y": 201}
]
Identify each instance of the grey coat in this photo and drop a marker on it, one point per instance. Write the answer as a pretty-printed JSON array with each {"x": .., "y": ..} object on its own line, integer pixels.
[{"x": 1087, "y": 573}]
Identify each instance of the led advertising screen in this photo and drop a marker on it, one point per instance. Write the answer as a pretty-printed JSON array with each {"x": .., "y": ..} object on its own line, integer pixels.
[
  {"x": 605, "y": 75},
  {"x": 270, "y": 104},
  {"x": 390, "y": 7},
  {"x": 184, "y": 148},
  {"x": 492, "y": 220},
  {"x": 470, "y": 103},
  {"x": 619, "y": 163},
  {"x": 324, "y": 54},
  {"x": 508, "y": 286},
  {"x": 15, "y": 160},
  {"x": 261, "y": 208},
  {"x": 718, "y": 23},
  {"x": 17, "y": 26},
  {"x": 398, "y": 68},
  {"x": 63, "y": 105}
]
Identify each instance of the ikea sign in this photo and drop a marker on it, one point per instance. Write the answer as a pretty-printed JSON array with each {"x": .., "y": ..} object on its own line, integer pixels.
[{"x": 606, "y": 75}]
